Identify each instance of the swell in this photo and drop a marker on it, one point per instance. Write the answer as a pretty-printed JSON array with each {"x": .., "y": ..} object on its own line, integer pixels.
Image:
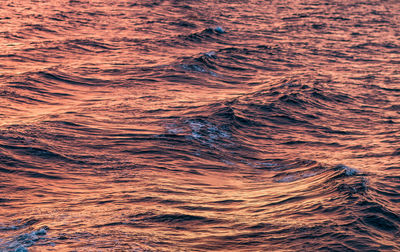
[
  {"x": 339, "y": 196},
  {"x": 287, "y": 114},
  {"x": 299, "y": 111}
]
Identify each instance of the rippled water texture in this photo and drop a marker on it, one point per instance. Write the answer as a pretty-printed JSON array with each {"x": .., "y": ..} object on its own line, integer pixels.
[{"x": 199, "y": 125}]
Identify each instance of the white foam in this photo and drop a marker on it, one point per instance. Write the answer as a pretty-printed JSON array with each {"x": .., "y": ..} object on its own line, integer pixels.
[
  {"x": 21, "y": 242},
  {"x": 219, "y": 29},
  {"x": 348, "y": 171}
]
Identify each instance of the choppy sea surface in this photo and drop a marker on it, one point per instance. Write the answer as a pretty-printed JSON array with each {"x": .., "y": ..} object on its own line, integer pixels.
[{"x": 179, "y": 125}]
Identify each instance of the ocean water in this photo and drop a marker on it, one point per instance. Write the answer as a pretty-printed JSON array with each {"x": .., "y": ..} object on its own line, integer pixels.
[{"x": 180, "y": 125}]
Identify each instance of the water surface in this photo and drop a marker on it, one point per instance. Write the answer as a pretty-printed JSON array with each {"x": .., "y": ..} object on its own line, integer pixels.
[{"x": 199, "y": 125}]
